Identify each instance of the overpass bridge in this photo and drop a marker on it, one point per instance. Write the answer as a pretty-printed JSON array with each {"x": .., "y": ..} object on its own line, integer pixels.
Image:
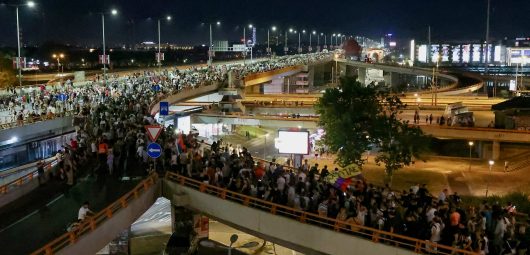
[
  {"x": 296, "y": 229},
  {"x": 487, "y": 135}
]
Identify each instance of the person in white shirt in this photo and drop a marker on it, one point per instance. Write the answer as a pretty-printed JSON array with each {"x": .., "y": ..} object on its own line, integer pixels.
[
  {"x": 281, "y": 183},
  {"x": 84, "y": 211}
]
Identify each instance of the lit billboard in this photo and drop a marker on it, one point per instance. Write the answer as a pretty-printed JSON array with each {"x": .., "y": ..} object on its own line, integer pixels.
[
  {"x": 476, "y": 53},
  {"x": 292, "y": 142},
  {"x": 422, "y": 53}
]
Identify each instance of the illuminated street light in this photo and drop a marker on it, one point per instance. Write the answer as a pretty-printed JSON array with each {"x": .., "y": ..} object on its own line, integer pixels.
[
  {"x": 114, "y": 12},
  {"x": 490, "y": 163},
  {"x": 29, "y": 4},
  {"x": 470, "y": 143},
  {"x": 210, "y": 52},
  {"x": 159, "y": 55},
  {"x": 58, "y": 58}
]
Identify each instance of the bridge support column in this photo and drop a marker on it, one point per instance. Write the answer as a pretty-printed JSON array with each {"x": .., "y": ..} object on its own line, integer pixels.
[
  {"x": 361, "y": 75},
  {"x": 391, "y": 80},
  {"x": 496, "y": 150}
]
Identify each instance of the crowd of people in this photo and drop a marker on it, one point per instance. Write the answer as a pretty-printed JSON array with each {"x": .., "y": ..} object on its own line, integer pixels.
[
  {"x": 112, "y": 130},
  {"x": 442, "y": 219}
]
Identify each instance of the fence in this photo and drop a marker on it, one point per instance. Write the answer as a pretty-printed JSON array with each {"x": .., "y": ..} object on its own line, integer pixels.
[
  {"x": 375, "y": 235},
  {"x": 91, "y": 223}
]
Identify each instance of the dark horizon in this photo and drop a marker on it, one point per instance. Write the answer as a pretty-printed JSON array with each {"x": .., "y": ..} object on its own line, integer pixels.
[{"x": 76, "y": 22}]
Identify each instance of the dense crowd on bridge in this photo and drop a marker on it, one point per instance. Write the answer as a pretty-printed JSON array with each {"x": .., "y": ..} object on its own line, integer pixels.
[
  {"x": 42, "y": 102},
  {"x": 488, "y": 229}
]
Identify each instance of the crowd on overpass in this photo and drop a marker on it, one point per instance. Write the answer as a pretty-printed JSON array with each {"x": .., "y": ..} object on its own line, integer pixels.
[
  {"x": 42, "y": 102},
  {"x": 110, "y": 117},
  {"x": 442, "y": 219}
]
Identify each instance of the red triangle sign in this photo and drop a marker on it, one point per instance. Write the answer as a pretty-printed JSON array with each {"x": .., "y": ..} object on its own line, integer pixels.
[{"x": 153, "y": 131}]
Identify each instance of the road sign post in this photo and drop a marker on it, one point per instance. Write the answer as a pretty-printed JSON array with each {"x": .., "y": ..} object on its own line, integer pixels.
[
  {"x": 154, "y": 151},
  {"x": 164, "y": 108},
  {"x": 153, "y": 131}
]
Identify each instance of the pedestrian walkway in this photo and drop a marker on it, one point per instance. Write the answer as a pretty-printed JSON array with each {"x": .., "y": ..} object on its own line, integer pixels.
[{"x": 45, "y": 213}]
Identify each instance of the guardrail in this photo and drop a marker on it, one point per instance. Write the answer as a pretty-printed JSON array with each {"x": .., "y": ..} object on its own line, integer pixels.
[
  {"x": 92, "y": 222},
  {"x": 4, "y": 189},
  {"x": 10, "y": 123},
  {"x": 377, "y": 236}
]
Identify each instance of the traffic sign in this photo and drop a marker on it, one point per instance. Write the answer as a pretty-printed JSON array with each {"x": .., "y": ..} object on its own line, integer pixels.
[
  {"x": 154, "y": 150},
  {"x": 153, "y": 131},
  {"x": 164, "y": 108},
  {"x": 62, "y": 97}
]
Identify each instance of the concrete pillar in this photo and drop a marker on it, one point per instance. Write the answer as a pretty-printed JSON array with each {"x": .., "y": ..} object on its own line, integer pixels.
[
  {"x": 361, "y": 75},
  {"x": 496, "y": 150},
  {"x": 391, "y": 79}
]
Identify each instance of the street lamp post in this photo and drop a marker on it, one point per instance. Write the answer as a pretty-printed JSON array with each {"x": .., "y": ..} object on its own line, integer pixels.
[
  {"x": 470, "y": 143},
  {"x": 210, "y": 46},
  {"x": 58, "y": 57},
  {"x": 268, "y": 41},
  {"x": 104, "y": 59},
  {"x": 265, "y": 146},
  {"x": 159, "y": 56},
  {"x": 310, "y": 42},
  {"x": 299, "y": 43},
  {"x": 18, "y": 62},
  {"x": 491, "y": 162}
]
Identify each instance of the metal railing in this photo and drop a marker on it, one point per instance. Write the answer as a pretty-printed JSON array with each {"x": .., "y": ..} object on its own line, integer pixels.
[
  {"x": 10, "y": 122},
  {"x": 93, "y": 222},
  {"x": 375, "y": 235},
  {"x": 4, "y": 189}
]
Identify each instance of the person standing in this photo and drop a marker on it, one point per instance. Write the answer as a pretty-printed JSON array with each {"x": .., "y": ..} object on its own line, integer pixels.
[
  {"x": 84, "y": 211},
  {"x": 40, "y": 172}
]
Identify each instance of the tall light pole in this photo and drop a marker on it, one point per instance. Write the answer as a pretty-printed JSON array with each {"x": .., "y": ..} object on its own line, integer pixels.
[
  {"x": 265, "y": 146},
  {"x": 333, "y": 36},
  {"x": 268, "y": 40},
  {"x": 58, "y": 57},
  {"x": 299, "y": 45},
  {"x": 470, "y": 143},
  {"x": 210, "y": 46},
  {"x": 487, "y": 35},
  {"x": 18, "y": 62},
  {"x": 490, "y": 163},
  {"x": 104, "y": 58},
  {"x": 159, "y": 56},
  {"x": 310, "y": 42}
]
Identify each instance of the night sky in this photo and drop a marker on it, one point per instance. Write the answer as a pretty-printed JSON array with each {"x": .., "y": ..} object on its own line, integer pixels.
[{"x": 75, "y": 21}]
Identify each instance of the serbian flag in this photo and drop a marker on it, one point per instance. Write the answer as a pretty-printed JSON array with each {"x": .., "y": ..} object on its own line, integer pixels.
[
  {"x": 181, "y": 146},
  {"x": 343, "y": 183}
]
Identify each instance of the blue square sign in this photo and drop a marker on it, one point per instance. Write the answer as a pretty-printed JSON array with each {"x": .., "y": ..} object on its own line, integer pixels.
[{"x": 164, "y": 108}]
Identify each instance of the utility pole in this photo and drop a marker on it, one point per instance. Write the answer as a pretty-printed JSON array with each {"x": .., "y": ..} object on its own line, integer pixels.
[{"x": 486, "y": 70}]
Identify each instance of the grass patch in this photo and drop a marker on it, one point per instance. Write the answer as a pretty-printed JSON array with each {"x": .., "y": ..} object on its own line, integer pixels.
[{"x": 253, "y": 130}]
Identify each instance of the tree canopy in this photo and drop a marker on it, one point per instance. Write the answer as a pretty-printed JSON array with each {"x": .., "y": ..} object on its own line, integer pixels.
[
  {"x": 357, "y": 117},
  {"x": 7, "y": 73}
]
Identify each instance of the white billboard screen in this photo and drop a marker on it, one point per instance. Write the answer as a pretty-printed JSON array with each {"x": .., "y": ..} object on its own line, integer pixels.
[
  {"x": 422, "y": 53},
  {"x": 184, "y": 124},
  {"x": 293, "y": 142},
  {"x": 466, "y": 53}
]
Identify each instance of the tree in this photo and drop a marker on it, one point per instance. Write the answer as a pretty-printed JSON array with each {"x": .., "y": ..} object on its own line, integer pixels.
[
  {"x": 355, "y": 117},
  {"x": 7, "y": 74}
]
